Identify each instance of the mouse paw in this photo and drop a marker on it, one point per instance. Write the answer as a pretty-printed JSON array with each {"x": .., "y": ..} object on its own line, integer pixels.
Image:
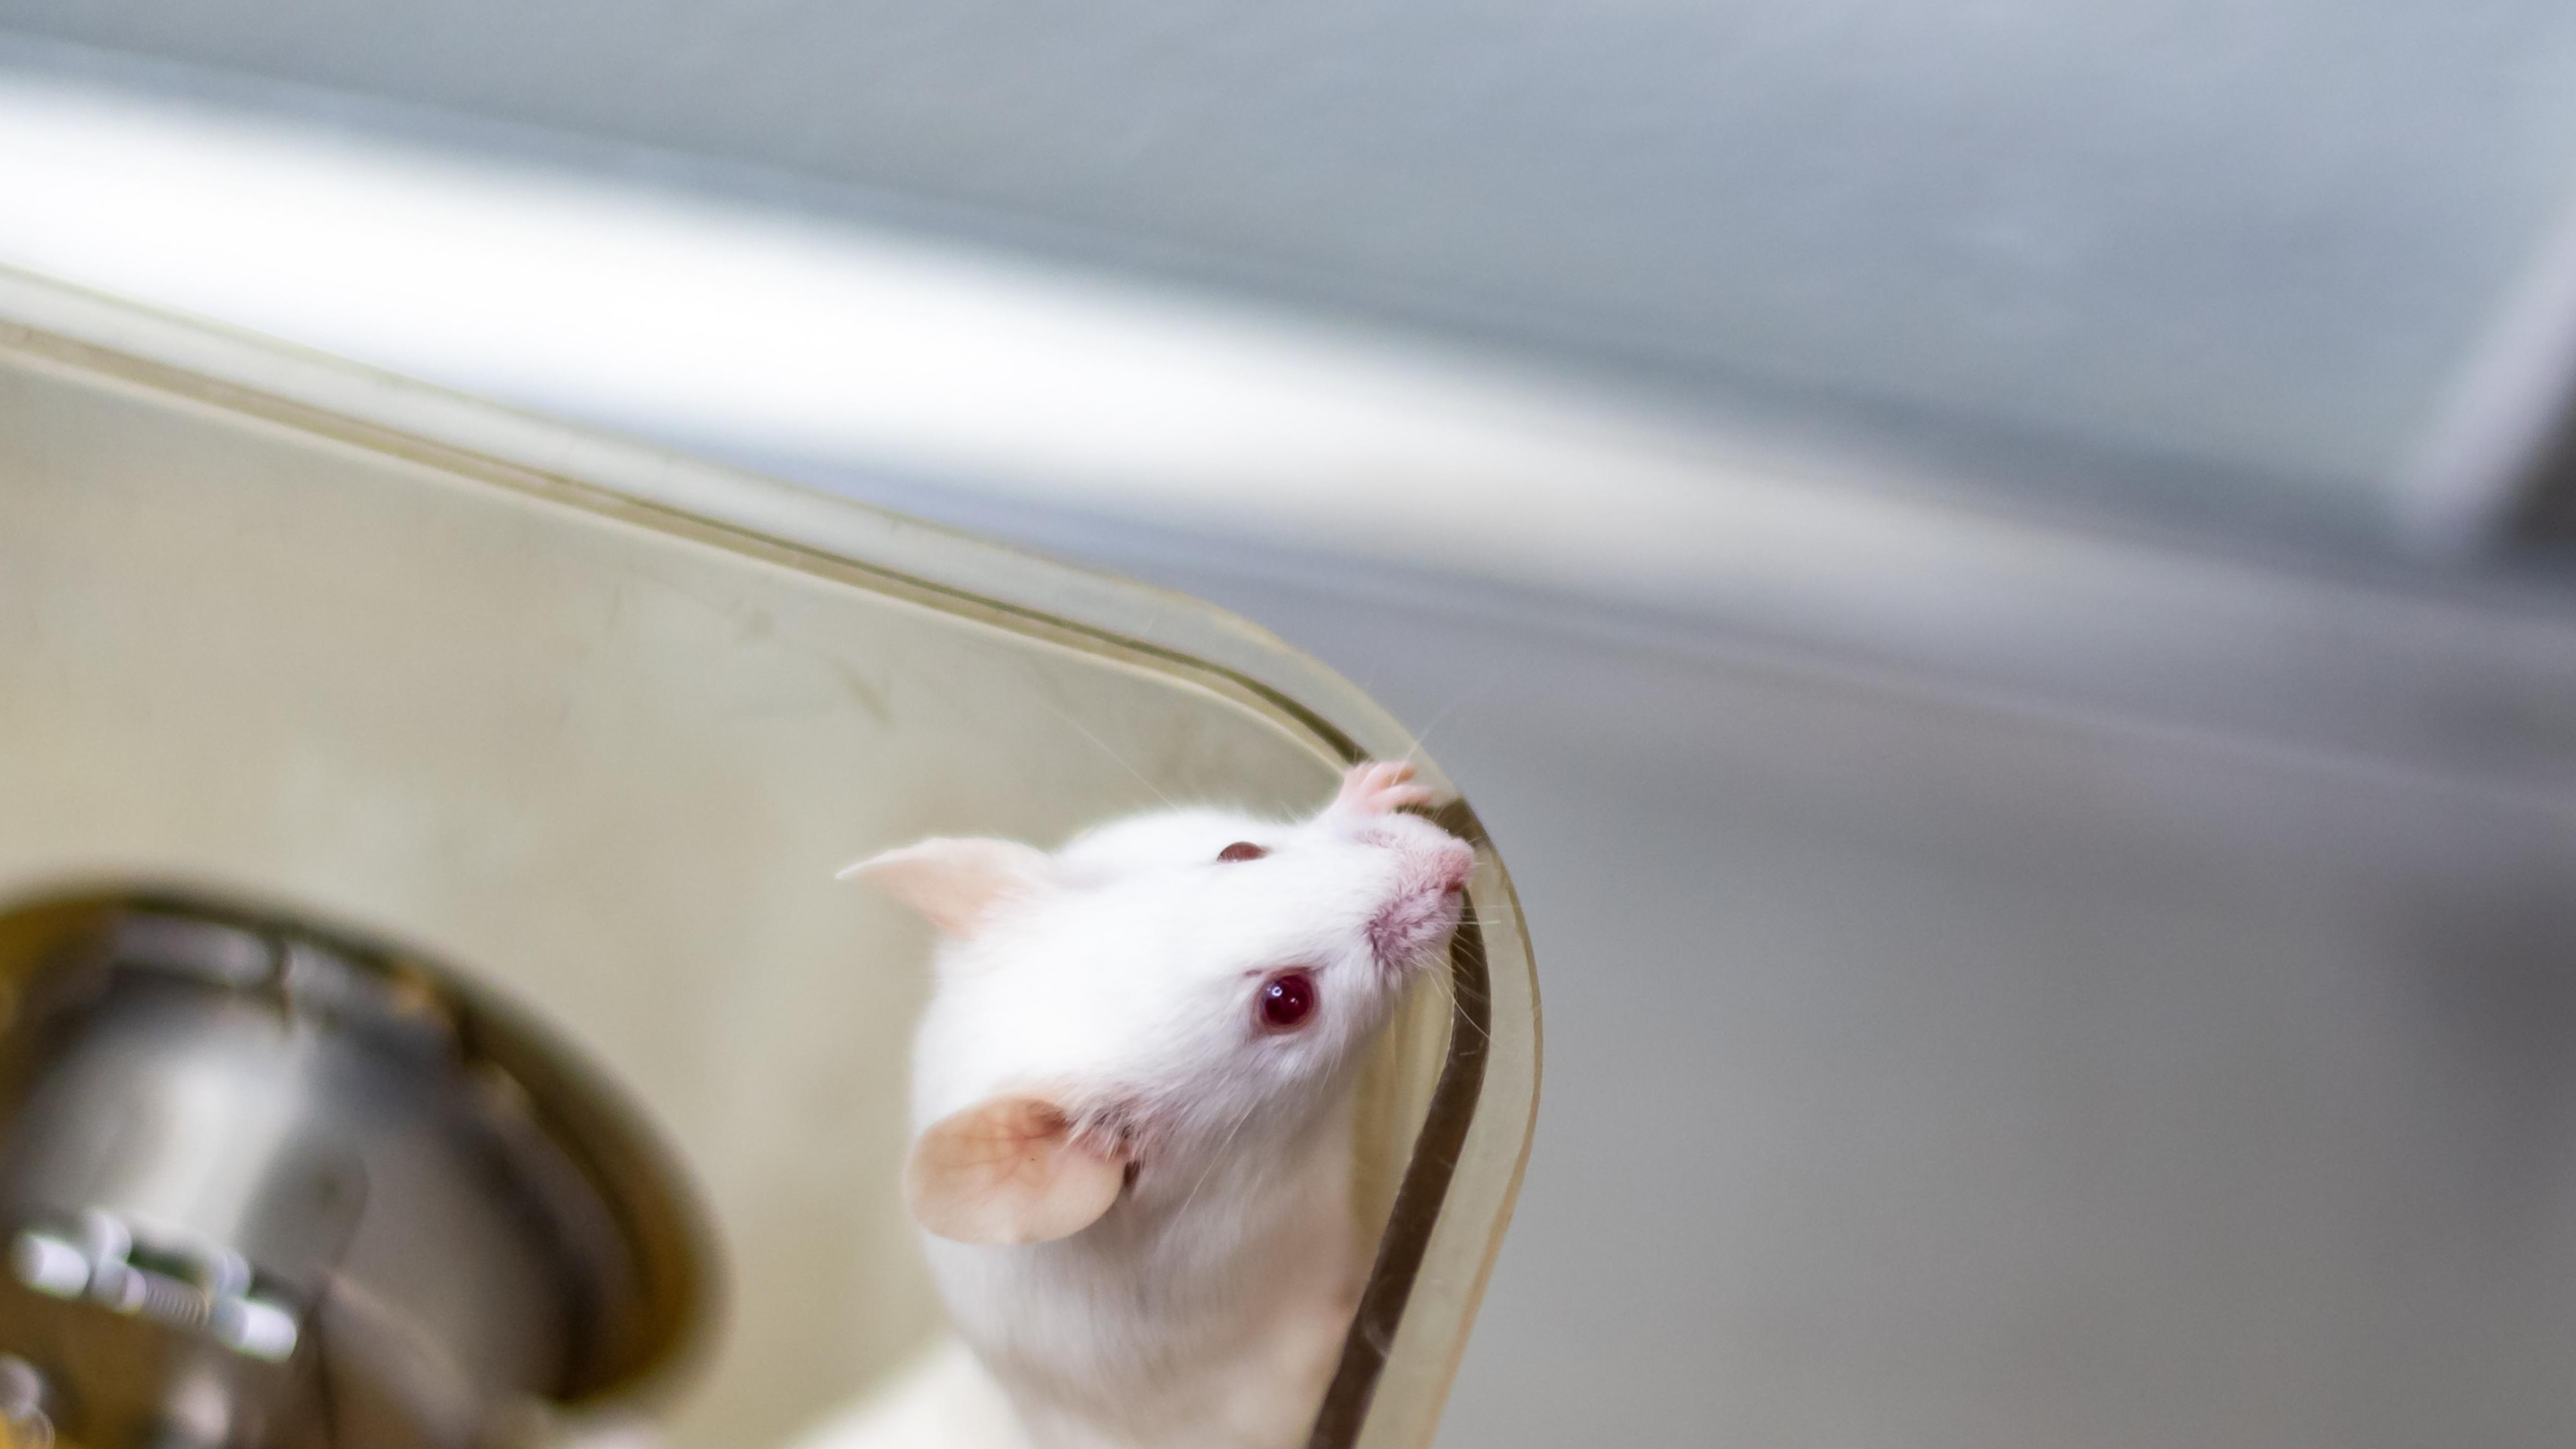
[{"x": 1378, "y": 788}]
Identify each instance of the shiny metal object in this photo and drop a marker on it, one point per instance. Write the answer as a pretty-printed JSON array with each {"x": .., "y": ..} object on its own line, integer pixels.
[
  {"x": 28, "y": 1404},
  {"x": 267, "y": 1188}
]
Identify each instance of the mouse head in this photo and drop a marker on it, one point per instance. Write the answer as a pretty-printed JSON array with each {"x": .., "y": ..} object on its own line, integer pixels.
[{"x": 1165, "y": 988}]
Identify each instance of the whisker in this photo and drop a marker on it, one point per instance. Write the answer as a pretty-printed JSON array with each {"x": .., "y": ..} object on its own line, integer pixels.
[
  {"x": 1422, "y": 737},
  {"x": 1217, "y": 1156},
  {"x": 1103, "y": 746},
  {"x": 1449, "y": 992}
]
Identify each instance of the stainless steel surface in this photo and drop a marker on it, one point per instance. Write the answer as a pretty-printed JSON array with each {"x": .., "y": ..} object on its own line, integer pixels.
[
  {"x": 2190, "y": 258},
  {"x": 267, "y": 1188}
]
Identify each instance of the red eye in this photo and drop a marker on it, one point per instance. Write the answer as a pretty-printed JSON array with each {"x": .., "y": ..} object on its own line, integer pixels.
[
  {"x": 1241, "y": 850},
  {"x": 1287, "y": 1000}
]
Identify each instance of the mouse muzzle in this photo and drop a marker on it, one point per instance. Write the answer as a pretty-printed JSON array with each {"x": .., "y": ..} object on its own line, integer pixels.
[{"x": 1431, "y": 887}]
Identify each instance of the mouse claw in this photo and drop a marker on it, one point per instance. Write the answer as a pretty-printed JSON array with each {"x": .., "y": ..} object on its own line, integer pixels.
[{"x": 1379, "y": 787}]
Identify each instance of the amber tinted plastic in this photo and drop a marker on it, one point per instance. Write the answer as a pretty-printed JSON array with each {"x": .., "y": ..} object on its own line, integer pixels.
[{"x": 597, "y": 723}]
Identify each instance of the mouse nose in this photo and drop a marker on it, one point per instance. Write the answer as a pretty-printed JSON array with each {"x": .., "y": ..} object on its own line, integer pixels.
[{"x": 1455, "y": 863}]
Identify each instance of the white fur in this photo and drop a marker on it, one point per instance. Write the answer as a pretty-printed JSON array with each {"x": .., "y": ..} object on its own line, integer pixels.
[{"x": 1205, "y": 1308}]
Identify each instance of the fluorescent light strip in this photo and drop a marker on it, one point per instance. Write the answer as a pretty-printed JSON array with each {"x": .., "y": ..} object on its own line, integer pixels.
[
  {"x": 775, "y": 335},
  {"x": 784, "y": 336}
]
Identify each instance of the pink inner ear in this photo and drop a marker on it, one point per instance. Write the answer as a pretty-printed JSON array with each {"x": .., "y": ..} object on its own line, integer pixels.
[
  {"x": 956, "y": 884},
  {"x": 1008, "y": 1171}
]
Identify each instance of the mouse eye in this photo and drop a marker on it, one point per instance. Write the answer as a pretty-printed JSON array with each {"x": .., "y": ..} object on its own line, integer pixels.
[
  {"x": 1241, "y": 850},
  {"x": 1288, "y": 1000}
]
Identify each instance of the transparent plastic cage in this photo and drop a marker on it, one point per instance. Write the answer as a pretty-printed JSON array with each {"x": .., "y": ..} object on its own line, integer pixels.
[{"x": 595, "y": 724}]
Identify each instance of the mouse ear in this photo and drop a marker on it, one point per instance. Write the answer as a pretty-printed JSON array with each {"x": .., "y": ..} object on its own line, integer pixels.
[
  {"x": 954, "y": 882},
  {"x": 1008, "y": 1171}
]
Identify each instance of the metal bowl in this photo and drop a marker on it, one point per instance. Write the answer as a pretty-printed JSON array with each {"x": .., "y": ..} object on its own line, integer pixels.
[{"x": 267, "y": 1185}]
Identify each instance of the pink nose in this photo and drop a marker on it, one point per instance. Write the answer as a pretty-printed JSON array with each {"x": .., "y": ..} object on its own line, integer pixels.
[{"x": 1456, "y": 862}]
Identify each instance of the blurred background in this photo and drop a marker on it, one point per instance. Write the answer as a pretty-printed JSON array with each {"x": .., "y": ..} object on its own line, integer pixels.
[{"x": 2000, "y": 573}]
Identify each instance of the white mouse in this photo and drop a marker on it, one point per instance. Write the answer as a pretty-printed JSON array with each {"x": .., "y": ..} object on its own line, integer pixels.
[{"x": 1132, "y": 1111}]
